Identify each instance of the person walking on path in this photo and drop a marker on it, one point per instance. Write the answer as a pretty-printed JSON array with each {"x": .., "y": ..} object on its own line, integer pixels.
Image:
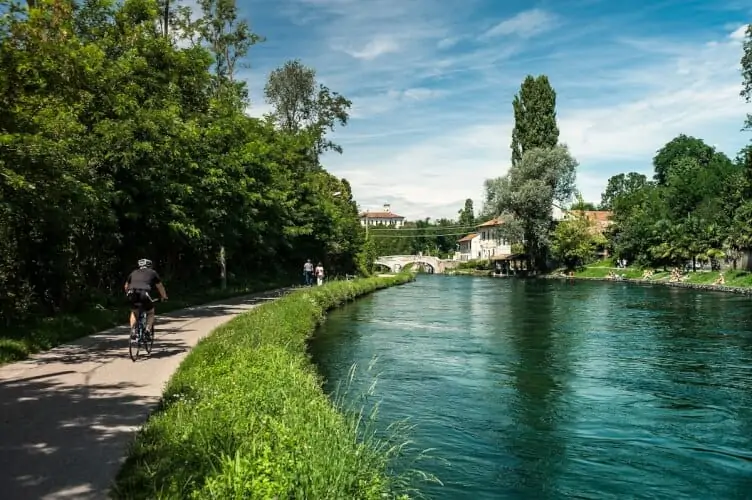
[
  {"x": 308, "y": 272},
  {"x": 319, "y": 274}
]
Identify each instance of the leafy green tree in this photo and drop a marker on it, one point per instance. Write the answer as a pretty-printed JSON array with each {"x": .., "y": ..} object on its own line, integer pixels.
[
  {"x": 467, "y": 214},
  {"x": 575, "y": 240},
  {"x": 746, "y": 63},
  {"x": 300, "y": 105},
  {"x": 581, "y": 205},
  {"x": 680, "y": 147},
  {"x": 528, "y": 193},
  {"x": 117, "y": 142},
  {"x": 534, "y": 117},
  {"x": 619, "y": 186}
]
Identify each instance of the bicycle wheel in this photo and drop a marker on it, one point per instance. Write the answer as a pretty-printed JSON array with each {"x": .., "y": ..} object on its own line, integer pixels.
[
  {"x": 134, "y": 345},
  {"x": 149, "y": 341}
]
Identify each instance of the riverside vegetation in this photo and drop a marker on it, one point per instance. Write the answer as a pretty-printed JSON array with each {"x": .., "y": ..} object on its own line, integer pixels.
[
  {"x": 124, "y": 134},
  {"x": 697, "y": 208},
  {"x": 245, "y": 415}
]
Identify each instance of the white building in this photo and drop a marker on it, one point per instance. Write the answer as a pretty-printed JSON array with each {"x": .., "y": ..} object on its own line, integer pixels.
[
  {"x": 492, "y": 242},
  {"x": 469, "y": 247},
  {"x": 485, "y": 243},
  {"x": 381, "y": 218}
]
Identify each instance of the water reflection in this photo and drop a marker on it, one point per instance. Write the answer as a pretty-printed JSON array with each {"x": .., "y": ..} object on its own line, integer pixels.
[{"x": 535, "y": 390}]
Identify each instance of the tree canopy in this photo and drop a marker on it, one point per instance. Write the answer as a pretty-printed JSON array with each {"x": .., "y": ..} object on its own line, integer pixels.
[
  {"x": 534, "y": 117},
  {"x": 119, "y": 142}
]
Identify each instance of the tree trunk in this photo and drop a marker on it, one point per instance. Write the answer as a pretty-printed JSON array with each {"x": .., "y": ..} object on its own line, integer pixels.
[{"x": 222, "y": 268}]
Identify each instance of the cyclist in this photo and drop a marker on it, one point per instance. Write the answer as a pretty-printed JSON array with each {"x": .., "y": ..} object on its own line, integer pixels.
[{"x": 140, "y": 283}]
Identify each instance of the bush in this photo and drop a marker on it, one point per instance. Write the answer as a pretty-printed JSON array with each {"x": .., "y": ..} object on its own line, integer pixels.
[
  {"x": 479, "y": 264},
  {"x": 245, "y": 416}
]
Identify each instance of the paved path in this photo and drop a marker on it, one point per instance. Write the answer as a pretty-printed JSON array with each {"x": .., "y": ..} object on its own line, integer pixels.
[{"x": 68, "y": 415}]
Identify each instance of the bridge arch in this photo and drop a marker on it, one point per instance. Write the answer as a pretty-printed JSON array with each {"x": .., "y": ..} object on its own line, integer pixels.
[{"x": 397, "y": 263}]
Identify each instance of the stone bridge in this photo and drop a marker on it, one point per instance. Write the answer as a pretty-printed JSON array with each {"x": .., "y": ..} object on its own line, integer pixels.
[{"x": 396, "y": 263}]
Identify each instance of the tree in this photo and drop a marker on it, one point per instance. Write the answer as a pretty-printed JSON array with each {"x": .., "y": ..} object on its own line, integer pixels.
[
  {"x": 582, "y": 205},
  {"x": 534, "y": 117},
  {"x": 528, "y": 192},
  {"x": 467, "y": 215},
  {"x": 746, "y": 63},
  {"x": 228, "y": 37},
  {"x": 619, "y": 186},
  {"x": 679, "y": 147},
  {"x": 300, "y": 106},
  {"x": 119, "y": 143},
  {"x": 575, "y": 240}
]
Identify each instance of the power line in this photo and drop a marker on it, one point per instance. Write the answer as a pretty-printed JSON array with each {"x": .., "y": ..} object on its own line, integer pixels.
[
  {"x": 417, "y": 235},
  {"x": 431, "y": 228}
]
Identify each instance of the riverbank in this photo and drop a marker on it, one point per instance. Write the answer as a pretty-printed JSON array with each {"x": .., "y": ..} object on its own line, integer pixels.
[
  {"x": 18, "y": 342},
  {"x": 245, "y": 414},
  {"x": 735, "y": 281},
  {"x": 469, "y": 272}
]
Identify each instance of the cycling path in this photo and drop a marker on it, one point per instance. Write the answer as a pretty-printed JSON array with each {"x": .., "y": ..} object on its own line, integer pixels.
[{"x": 68, "y": 415}]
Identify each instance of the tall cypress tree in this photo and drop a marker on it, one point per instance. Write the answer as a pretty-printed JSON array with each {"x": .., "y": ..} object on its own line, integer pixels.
[
  {"x": 534, "y": 117},
  {"x": 746, "y": 63}
]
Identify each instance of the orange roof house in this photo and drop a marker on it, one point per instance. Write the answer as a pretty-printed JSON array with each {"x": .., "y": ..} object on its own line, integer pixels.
[
  {"x": 601, "y": 218},
  {"x": 469, "y": 237}
]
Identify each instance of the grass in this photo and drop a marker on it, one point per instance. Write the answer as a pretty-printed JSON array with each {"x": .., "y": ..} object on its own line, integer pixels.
[
  {"x": 741, "y": 279},
  {"x": 245, "y": 416},
  {"x": 603, "y": 271},
  {"x": 19, "y": 342}
]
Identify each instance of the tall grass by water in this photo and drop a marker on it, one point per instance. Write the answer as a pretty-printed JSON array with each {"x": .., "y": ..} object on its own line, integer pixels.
[
  {"x": 245, "y": 416},
  {"x": 19, "y": 341}
]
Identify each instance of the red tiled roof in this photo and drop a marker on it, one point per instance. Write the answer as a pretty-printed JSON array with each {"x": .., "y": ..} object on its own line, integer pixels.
[
  {"x": 497, "y": 221},
  {"x": 380, "y": 215},
  {"x": 467, "y": 238},
  {"x": 595, "y": 215},
  {"x": 601, "y": 218}
]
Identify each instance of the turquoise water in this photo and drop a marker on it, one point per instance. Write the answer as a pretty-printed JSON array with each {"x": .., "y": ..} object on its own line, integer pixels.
[{"x": 547, "y": 389}]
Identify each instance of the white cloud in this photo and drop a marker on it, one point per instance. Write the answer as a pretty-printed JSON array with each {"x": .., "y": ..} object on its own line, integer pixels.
[
  {"x": 525, "y": 24},
  {"x": 431, "y": 117},
  {"x": 448, "y": 43},
  {"x": 373, "y": 49},
  {"x": 258, "y": 109},
  {"x": 689, "y": 89},
  {"x": 739, "y": 33}
]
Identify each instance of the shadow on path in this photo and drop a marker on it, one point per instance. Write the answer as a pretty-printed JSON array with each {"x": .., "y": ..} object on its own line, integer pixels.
[
  {"x": 68, "y": 415},
  {"x": 65, "y": 432}
]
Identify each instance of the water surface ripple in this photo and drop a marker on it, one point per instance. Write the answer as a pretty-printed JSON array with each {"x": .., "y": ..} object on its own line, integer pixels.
[{"x": 546, "y": 389}]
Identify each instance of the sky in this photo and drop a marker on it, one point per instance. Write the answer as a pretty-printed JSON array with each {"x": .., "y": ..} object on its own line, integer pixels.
[{"x": 432, "y": 83}]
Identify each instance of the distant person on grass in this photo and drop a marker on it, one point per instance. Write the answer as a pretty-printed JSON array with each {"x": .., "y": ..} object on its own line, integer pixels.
[
  {"x": 138, "y": 287},
  {"x": 319, "y": 274},
  {"x": 308, "y": 272}
]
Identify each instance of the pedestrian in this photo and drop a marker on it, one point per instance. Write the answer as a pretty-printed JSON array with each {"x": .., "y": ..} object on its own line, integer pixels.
[
  {"x": 308, "y": 273},
  {"x": 319, "y": 274}
]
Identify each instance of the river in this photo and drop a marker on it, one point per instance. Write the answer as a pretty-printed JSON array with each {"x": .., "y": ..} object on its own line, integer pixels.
[{"x": 549, "y": 389}]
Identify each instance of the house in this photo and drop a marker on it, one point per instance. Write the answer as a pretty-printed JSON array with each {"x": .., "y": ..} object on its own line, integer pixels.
[
  {"x": 601, "y": 219},
  {"x": 492, "y": 241},
  {"x": 381, "y": 218},
  {"x": 469, "y": 247},
  {"x": 485, "y": 243}
]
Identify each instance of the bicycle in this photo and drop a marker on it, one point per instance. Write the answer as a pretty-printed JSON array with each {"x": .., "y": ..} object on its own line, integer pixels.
[{"x": 147, "y": 341}]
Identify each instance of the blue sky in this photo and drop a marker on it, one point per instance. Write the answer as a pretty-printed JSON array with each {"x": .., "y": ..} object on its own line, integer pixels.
[{"x": 432, "y": 83}]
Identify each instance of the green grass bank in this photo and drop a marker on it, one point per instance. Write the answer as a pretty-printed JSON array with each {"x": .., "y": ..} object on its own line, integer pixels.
[
  {"x": 735, "y": 281},
  {"x": 245, "y": 416},
  {"x": 18, "y": 342}
]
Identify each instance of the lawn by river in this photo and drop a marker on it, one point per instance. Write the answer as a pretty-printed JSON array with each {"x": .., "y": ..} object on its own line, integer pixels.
[
  {"x": 536, "y": 389},
  {"x": 741, "y": 279}
]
